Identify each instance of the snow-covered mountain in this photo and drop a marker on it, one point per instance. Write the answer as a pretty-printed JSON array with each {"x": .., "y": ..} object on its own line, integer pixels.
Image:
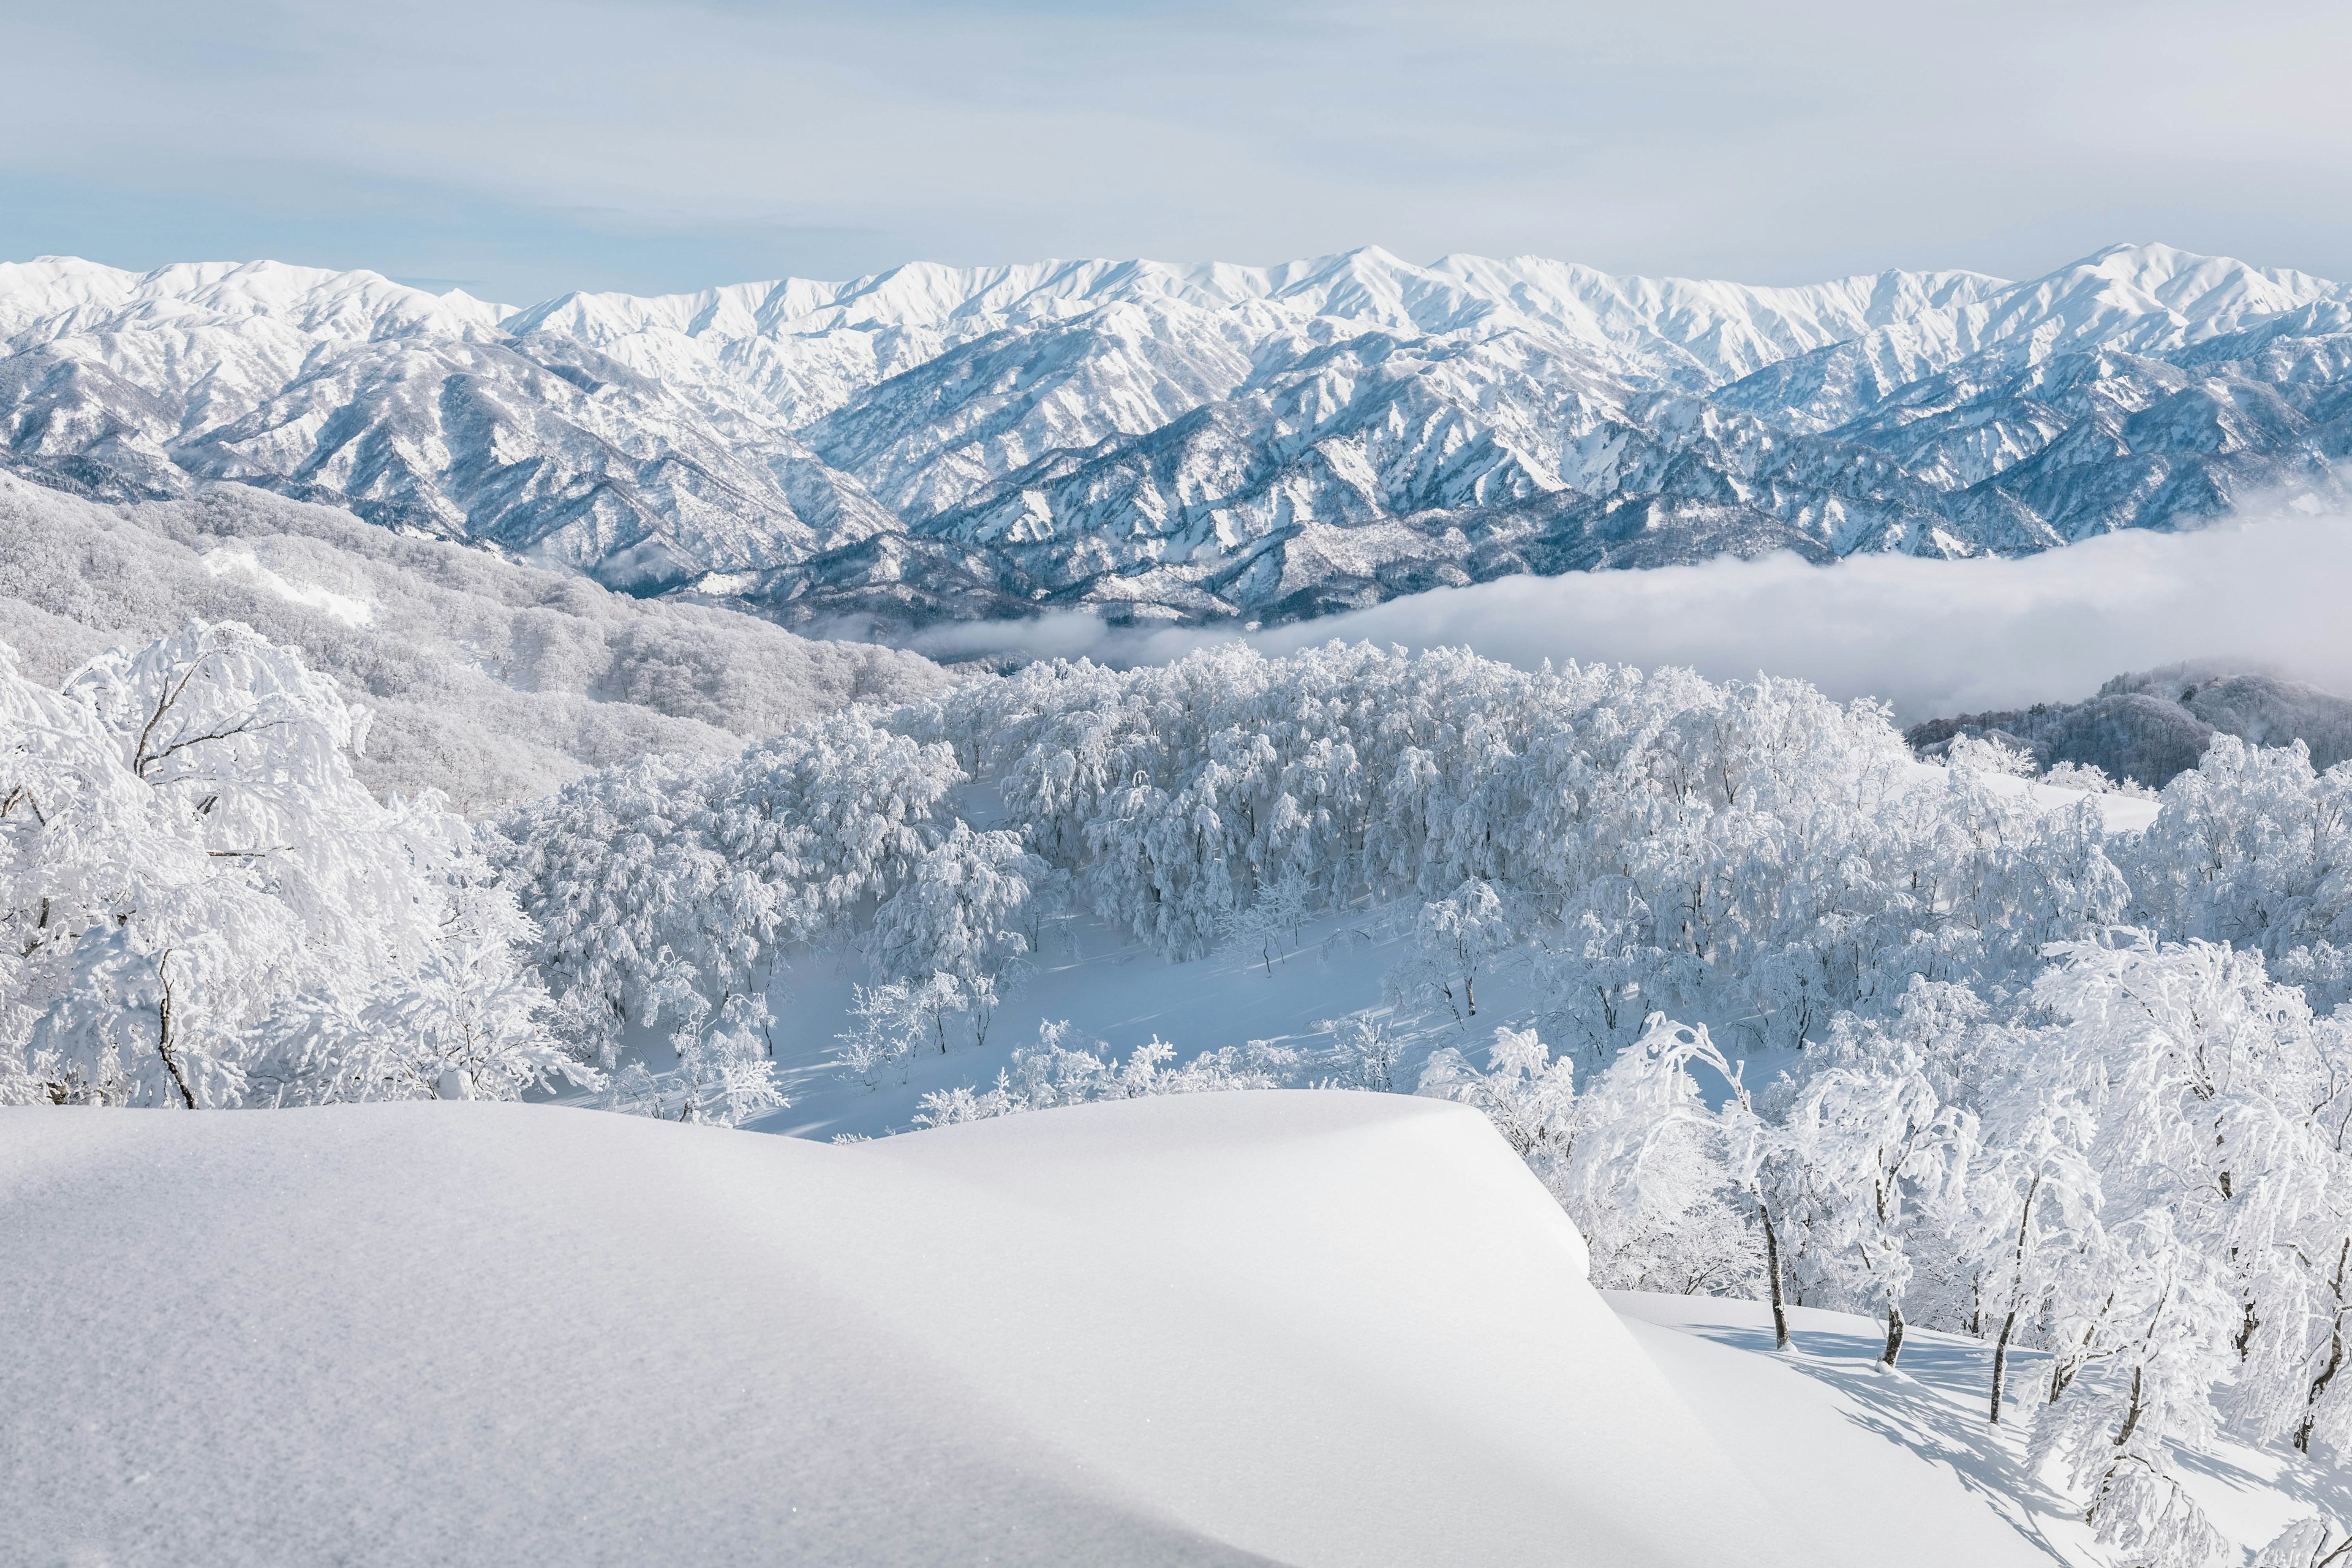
[{"x": 1194, "y": 442}]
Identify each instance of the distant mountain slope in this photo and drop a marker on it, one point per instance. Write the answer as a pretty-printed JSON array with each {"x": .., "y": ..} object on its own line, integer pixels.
[
  {"x": 489, "y": 681},
  {"x": 2154, "y": 725},
  {"x": 1195, "y": 442}
]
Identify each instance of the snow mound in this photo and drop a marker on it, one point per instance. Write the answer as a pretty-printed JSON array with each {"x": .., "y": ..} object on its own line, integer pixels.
[{"x": 1306, "y": 1328}]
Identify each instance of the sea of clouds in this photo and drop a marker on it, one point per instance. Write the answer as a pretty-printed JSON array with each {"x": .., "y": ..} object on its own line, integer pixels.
[{"x": 2271, "y": 590}]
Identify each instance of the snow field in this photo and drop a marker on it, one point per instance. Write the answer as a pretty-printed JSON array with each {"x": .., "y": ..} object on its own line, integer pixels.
[{"x": 1305, "y": 1328}]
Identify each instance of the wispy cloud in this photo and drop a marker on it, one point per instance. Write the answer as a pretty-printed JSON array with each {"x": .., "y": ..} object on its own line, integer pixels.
[{"x": 658, "y": 144}]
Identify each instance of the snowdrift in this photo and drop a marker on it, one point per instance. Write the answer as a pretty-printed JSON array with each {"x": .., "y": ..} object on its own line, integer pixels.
[{"x": 1306, "y": 1328}]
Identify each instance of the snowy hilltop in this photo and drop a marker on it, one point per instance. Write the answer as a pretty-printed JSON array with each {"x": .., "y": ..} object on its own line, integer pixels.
[
  {"x": 1192, "y": 442},
  {"x": 1075, "y": 1339}
]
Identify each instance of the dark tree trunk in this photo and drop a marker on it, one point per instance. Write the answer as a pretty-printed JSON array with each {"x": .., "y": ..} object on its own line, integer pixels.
[
  {"x": 1772, "y": 1276},
  {"x": 2001, "y": 1362},
  {"x": 2016, "y": 1284},
  {"x": 163, "y": 1032}
]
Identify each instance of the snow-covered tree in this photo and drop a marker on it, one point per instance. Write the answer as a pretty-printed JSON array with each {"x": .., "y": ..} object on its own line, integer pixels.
[
  {"x": 203, "y": 907},
  {"x": 957, "y": 919},
  {"x": 1527, "y": 1093},
  {"x": 718, "y": 868},
  {"x": 1054, "y": 1072},
  {"x": 1268, "y": 925},
  {"x": 1871, "y": 1147},
  {"x": 1455, "y": 940}
]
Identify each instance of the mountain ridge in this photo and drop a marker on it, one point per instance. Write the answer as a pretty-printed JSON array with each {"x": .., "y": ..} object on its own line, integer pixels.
[{"x": 1194, "y": 441}]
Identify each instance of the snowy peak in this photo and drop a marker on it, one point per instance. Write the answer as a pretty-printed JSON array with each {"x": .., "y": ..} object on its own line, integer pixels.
[
  {"x": 2150, "y": 294},
  {"x": 69, "y": 296},
  {"x": 2211, "y": 293},
  {"x": 1366, "y": 287}
]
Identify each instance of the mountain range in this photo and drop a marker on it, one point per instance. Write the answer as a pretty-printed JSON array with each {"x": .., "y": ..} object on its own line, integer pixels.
[{"x": 1191, "y": 443}]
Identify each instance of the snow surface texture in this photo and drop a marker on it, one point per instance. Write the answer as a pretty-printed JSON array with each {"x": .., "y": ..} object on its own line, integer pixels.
[
  {"x": 1299, "y": 1328},
  {"x": 1219, "y": 1328},
  {"x": 1194, "y": 442},
  {"x": 491, "y": 681}
]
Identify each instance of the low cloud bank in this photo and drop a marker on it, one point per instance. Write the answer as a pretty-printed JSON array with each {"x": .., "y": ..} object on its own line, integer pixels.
[{"x": 1929, "y": 637}]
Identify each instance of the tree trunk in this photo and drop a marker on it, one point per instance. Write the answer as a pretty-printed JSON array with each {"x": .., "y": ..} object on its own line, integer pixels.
[
  {"x": 2137, "y": 1409},
  {"x": 164, "y": 1031},
  {"x": 1894, "y": 1334},
  {"x": 2001, "y": 1360},
  {"x": 1772, "y": 1276},
  {"x": 2016, "y": 1284}
]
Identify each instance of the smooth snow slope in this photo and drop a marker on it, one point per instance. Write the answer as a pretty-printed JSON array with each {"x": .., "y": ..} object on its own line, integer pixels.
[
  {"x": 1306, "y": 1328},
  {"x": 1885, "y": 1466},
  {"x": 1901, "y": 1468}
]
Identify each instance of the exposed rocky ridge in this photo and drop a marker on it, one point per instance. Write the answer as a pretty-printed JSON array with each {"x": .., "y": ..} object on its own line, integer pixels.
[{"x": 1192, "y": 442}]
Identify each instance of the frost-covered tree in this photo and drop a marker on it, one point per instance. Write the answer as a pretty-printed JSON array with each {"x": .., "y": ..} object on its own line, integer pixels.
[
  {"x": 1661, "y": 1186},
  {"x": 717, "y": 869},
  {"x": 1455, "y": 940},
  {"x": 1875, "y": 1152},
  {"x": 958, "y": 919},
  {"x": 1527, "y": 1093},
  {"x": 2314, "y": 1543},
  {"x": 203, "y": 907},
  {"x": 887, "y": 1027},
  {"x": 1369, "y": 1047},
  {"x": 1054, "y": 1072},
  {"x": 2255, "y": 848},
  {"x": 1268, "y": 925}
]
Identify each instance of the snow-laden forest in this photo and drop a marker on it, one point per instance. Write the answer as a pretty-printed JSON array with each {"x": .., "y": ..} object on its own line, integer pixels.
[{"x": 1772, "y": 1009}]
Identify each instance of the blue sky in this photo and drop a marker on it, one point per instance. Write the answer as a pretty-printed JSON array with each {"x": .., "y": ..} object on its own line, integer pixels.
[{"x": 521, "y": 149}]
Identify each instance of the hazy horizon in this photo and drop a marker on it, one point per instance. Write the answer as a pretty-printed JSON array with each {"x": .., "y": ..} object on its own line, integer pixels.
[
  {"x": 520, "y": 149},
  {"x": 444, "y": 285}
]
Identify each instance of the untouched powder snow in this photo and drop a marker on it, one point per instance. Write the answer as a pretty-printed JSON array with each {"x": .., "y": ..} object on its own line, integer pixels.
[{"x": 1301, "y": 1328}]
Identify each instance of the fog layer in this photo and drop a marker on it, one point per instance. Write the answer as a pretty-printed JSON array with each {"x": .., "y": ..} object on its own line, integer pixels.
[{"x": 1929, "y": 637}]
